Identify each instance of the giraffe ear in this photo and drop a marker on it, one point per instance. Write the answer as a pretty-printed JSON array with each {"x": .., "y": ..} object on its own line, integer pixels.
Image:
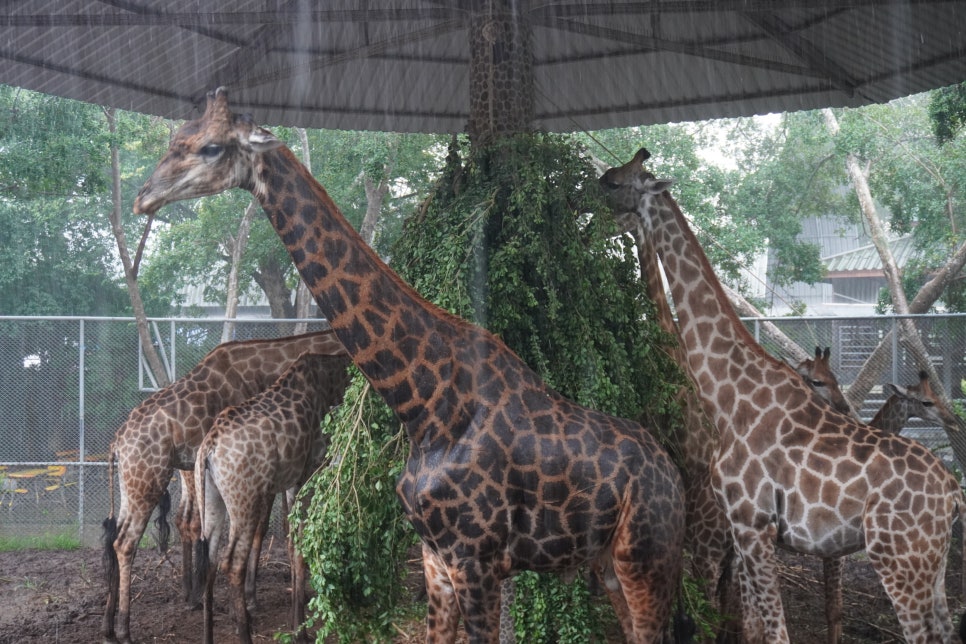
[
  {"x": 262, "y": 140},
  {"x": 894, "y": 390},
  {"x": 657, "y": 186}
]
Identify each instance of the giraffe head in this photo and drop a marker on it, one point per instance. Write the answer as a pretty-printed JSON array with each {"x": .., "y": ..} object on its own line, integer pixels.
[
  {"x": 921, "y": 401},
  {"x": 818, "y": 374},
  {"x": 627, "y": 184},
  {"x": 207, "y": 155}
]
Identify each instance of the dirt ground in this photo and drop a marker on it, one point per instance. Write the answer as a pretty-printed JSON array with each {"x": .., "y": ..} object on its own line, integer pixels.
[{"x": 58, "y": 596}]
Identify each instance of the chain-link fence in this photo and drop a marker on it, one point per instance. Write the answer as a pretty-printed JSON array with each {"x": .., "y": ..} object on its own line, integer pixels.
[{"x": 67, "y": 384}]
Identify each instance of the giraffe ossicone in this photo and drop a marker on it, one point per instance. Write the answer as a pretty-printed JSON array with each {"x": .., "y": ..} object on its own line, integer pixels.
[
  {"x": 504, "y": 474},
  {"x": 791, "y": 470}
]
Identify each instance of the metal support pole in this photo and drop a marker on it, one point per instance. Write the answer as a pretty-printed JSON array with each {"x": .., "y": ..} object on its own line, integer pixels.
[{"x": 82, "y": 350}]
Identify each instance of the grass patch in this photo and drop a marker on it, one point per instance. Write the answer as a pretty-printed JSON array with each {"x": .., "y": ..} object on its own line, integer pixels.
[{"x": 47, "y": 541}]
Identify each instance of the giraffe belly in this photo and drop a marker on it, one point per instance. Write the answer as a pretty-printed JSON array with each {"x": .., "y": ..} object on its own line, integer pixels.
[
  {"x": 509, "y": 524},
  {"x": 814, "y": 528}
]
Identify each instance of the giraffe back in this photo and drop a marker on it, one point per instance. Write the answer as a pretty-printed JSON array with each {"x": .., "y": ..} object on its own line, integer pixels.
[
  {"x": 279, "y": 427},
  {"x": 175, "y": 418}
]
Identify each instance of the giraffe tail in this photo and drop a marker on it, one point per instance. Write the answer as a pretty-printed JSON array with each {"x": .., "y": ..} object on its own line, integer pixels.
[
  {"x": 161, "y": 523},
  {"x": 202, "y": 552},
  {"x": 109, "y": 556}
]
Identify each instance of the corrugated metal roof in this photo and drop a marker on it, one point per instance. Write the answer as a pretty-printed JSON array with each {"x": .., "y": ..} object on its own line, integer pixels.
[
  {"x": 866, "y": 258},
  {"x": 403, "y": 64}
]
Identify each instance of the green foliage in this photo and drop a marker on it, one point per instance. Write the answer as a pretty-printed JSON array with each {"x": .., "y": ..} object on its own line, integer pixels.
[
  {"x": 48, "y": 148},
  {"x": 947, "y": 112},
  {"x": 354, "y": 536},
  {"x": 537, "y": 616},
  {"x": 509, "y": 242}
]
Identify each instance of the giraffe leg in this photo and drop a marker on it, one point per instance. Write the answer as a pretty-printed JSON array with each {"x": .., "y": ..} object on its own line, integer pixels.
[
  {"x": 832, "y": 573},
  {"x": 297, "y": 563},
  {"x": 763, "y": 619},
  {"x": 206, "y": 551},
  {"x": 917, "y": 591},
  {"x": 478, "y": 595},
  {"x": 251, "y": 576},
  {"x": 189, "y": 527},
  {"x": 137, "y": 504},
  {"x": 240, "y": 538},
  {"x": 442, "y": 614}
]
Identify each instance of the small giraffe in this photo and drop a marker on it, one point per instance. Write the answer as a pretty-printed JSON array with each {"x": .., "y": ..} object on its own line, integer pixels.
[
  {"x": 162, "y": 434},
  {"x": 503, "y": 474},
  {"x": 914, "y": 401},
  {"x": 271, "y": 443},
  {"x": 791, "y": 470},
  {"x": 819, "y": 375}
]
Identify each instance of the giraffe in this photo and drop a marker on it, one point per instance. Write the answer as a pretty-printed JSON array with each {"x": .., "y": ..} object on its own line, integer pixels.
[
  {"x": 790, "y": 470},
  {"x": 271, "y": 443},
  {"x": 914, "y": 401},
  {"x": 819, "y": 375},
  {"x": 162, "y": 434},
  {"x": 708, "y": 535},
  {"x": 503, "y": 473}
]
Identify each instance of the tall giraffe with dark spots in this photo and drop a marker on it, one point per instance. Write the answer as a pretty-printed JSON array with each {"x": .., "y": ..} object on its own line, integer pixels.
[
  {"x": 503, "y": 473},
  {"x": 790, "y": 470}
]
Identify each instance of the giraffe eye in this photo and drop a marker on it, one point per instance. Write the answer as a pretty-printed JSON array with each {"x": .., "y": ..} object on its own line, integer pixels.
[
  {"x": 818, "y": 383},
  {"x": 210, "y": 151}
]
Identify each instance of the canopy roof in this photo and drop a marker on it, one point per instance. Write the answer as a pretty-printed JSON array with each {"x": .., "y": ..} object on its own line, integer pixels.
[{"x": 402, "y": 65}]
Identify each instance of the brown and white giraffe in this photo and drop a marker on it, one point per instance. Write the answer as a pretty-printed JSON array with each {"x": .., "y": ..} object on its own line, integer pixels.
[
  {"x": 790, "y": 470},
  {"x": 163, "y": 433},
  {"x": 709, "y": 540},
  {"x": 269, "y": 444},
  {"x": 503, "y": 474}
]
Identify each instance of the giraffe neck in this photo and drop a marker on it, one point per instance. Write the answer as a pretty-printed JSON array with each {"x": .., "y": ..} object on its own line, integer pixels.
[
  {"x": 716, "y": 342},
  {"x": 893, "y": 415},
  {"x": 415, "y": 354}
]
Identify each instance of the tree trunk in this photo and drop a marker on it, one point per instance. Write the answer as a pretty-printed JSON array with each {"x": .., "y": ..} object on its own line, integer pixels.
[
  {"x": 238, "y": 245},
  {"x": 270, "y": 277},
  {"x": 303, "y": 297},
  {"x": 375, "y": 196},
  {"x": 130, "y": 268},
  {"x": 908, "y": 335}
]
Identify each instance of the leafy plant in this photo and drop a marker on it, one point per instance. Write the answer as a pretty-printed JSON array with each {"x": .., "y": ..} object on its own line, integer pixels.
[{"x": 354, "y": 535}]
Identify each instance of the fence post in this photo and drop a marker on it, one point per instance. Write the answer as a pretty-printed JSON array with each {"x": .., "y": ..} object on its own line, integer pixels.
[
  {"x": 82, "y": 348},
  {"x": 895, "y": 350}
]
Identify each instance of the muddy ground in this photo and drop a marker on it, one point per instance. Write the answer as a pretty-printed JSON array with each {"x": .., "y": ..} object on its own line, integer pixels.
[{"x": 58, "y": 596}]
